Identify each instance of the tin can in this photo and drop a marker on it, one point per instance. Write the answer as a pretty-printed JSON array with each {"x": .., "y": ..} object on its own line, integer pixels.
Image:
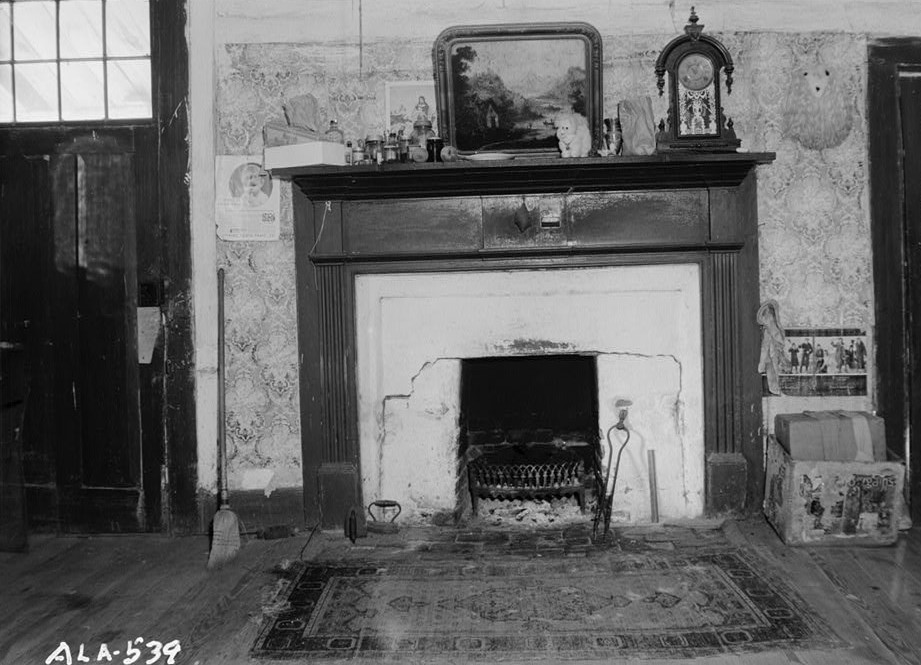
[{"x": 434, "y": 146}]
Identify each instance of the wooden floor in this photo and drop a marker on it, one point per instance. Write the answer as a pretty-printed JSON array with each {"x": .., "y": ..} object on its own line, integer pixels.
[{"x": 108, "y": 590}]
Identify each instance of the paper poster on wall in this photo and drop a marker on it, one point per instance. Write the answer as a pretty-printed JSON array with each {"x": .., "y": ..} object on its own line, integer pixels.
[
  {"x": 409, "y": 101},
  {"x": 246, "y": 199},
  {"x": 824, "y": 362}
]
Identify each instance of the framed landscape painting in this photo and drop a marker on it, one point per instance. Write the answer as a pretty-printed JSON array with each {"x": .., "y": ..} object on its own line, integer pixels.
[{"x": 502, "y": 87}]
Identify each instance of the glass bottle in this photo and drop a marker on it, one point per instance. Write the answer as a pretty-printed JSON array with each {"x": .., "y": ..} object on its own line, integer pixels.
[
  {"x": 403, "y": 142},
  {"x": 334, "y": 134},
  {"x": 422, "y": 132},
  {"x": 392, "y": 149}
]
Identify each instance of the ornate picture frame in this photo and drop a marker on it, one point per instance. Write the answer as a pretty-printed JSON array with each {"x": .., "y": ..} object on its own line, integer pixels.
[{"x": 500, "y": 87}]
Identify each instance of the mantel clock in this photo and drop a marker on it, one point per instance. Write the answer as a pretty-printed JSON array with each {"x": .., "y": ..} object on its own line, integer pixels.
[{"x": 695, "y": 115}]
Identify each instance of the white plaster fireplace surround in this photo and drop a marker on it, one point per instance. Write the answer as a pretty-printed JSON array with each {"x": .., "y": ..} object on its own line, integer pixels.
[{"x": 642, "y": 322}]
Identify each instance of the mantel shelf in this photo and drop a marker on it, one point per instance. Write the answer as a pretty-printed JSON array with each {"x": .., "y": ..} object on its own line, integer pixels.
[{"x": 524, "y": 176}]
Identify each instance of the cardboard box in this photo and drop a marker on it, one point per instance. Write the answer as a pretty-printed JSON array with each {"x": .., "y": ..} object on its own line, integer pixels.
[
  {"x": 303, "y": 154},
  {"x": 869, "y": 433},
  {"x": 832, "y": 435},
  {"x": 800, "y": 434},
  {"x": 813, "y": 502}
]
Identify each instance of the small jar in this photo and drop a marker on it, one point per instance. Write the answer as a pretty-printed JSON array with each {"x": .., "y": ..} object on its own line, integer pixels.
[
  {"x": 358, "y": 154},
  {"x": 374, "y": 146}
]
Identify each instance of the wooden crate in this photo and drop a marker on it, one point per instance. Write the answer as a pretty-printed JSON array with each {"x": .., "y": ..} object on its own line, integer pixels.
[{"x": 817, "y": 502}]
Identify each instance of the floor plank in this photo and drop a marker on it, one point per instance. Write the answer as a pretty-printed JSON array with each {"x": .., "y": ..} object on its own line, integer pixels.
[
  {"x": 891, "y": 624},
  {"x": 816, "y": 589},
  {"x": 108, "y": 590}
]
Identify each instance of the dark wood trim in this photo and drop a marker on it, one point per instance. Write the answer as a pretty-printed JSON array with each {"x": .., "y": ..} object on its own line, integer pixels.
[
  {"x": 170, "y": 53},
  {"x": 910, "y": 104},
  {"x": 520, "y": 176},
  {"x": 894, "y": 383},
  {"x": 312, "y": 412},
  {"x": 912, "y": 136},
  {"x": 748, "y": 296}
]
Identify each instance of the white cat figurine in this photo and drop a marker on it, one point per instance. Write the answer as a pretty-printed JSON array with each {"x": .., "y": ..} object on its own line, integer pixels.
[{"x": 574, "y": 138}]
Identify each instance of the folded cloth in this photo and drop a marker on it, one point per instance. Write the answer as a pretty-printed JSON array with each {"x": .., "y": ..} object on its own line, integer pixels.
[{"x": 773, "y": 360}]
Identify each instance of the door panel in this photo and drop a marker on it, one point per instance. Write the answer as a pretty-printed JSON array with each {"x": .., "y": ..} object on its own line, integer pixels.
[
  {"x": 106, "y": 306},
  {"x": 26, "y": 292}
]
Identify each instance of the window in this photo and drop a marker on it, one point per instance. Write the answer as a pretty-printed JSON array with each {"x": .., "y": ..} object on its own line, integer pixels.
[{"x": 71, "y": 60}]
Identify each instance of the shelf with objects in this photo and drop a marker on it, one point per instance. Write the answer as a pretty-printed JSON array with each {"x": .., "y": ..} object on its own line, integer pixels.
[{"x": 674, "y": 170}]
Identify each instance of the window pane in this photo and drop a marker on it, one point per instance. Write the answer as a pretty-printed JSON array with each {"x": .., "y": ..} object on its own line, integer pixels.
[
  {"x": 35, "y": 29},
  {"x": 5, "y": 52},
  {"x": 36, "y": 92},
  {"x": 127, "y": 27},
  {"x": 6, "y": 93},
  {"x": 82, "y": 96},
  {"x": 81, "y": 29},
  {"x": 129, "y": 88}
]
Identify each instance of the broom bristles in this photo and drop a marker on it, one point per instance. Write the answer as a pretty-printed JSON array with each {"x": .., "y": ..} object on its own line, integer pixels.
[{"x": 225, "y": 541}]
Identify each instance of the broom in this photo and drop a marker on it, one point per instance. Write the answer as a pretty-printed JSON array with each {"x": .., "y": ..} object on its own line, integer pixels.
[{"x": 225, "y": 539}]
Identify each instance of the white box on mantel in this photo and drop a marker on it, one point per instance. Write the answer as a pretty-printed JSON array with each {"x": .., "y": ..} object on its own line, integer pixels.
[{"x": 303, "y": 154}]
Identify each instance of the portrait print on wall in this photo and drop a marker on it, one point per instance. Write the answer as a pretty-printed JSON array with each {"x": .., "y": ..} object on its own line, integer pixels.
[
  {"x": 409, "y": 101},
  {"x": 824, "y": 362},
  {"x": 249, "y": 185},
  {"x": 246, "y": 199}
]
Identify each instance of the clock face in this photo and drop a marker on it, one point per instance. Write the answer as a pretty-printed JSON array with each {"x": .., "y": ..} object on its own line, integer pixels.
[{"x": 695, "y": 71}]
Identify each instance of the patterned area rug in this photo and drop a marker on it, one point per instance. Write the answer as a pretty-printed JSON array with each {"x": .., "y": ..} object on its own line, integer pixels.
[{"x": 613, "y": 606}]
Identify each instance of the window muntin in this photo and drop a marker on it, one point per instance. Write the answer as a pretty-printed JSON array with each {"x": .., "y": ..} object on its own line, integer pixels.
[{"x": 74, "y": 60}]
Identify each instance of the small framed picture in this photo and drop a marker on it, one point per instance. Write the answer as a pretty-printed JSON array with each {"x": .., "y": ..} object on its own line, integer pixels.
[{"x": 408, "y": 101}]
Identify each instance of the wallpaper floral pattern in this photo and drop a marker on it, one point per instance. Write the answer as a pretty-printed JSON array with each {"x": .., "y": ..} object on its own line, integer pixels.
[{"x": 814, "y": 226}]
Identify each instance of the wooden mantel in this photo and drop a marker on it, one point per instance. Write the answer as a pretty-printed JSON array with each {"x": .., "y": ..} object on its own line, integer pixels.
[
  {"x": 522, "y": 214},
  {"x": 524, "y": 176}
]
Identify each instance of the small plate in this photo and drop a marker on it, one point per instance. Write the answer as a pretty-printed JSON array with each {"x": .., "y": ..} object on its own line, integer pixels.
[{"x": 485, "y": 156}]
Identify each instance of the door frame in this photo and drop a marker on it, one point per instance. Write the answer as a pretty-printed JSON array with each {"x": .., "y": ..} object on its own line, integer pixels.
[
  {"x": 169, "y": 445},
  {"x": 897, "y": 367}
]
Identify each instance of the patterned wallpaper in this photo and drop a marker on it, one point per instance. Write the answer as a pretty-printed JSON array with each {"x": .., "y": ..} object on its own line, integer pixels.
[{"x": 799, "y": 95}]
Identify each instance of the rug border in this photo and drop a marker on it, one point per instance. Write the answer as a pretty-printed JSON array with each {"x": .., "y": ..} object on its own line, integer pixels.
[{"x": 818, "y": 633}]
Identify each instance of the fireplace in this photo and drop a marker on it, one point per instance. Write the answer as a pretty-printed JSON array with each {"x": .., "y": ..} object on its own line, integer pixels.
[
  {"x": 415, "y": 281},
  {"x": 528, "y": 430},
  {"x": 633, "y": 331}
]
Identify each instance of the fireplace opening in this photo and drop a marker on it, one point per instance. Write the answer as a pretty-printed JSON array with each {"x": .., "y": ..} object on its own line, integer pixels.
[{"x": 529, "y": 444}]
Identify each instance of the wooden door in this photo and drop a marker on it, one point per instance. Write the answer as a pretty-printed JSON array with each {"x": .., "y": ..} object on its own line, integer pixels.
[{"x": 71, "y": 287}]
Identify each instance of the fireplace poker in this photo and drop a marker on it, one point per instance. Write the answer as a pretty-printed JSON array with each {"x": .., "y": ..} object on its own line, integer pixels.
[{"x": 604, "y": 508}]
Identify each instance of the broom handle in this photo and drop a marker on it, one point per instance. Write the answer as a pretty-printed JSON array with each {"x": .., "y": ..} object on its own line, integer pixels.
[{"x": 221, "y": 415}]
